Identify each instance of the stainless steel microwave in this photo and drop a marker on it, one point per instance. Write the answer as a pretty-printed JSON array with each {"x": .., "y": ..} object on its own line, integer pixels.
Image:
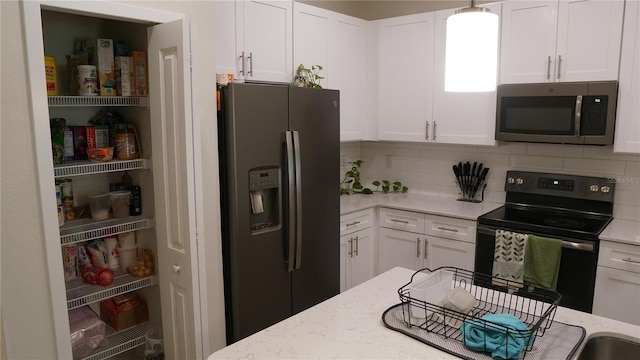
[{"x": 561, "y": 113}]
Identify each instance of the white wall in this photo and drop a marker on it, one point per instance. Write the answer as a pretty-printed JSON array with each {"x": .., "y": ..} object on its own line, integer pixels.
[
  {"x": 428, "y": 167},
  {"x": 26, "y": 310}
]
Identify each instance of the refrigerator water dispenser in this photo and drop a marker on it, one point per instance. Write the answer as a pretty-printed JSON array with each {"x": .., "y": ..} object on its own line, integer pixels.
[{"x": 264, "y": 195}]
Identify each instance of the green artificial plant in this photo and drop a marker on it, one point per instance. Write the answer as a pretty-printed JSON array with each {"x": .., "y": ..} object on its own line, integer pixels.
[
  {"x": 351, "y": 183},
  {"x": 308, "y": 77}
]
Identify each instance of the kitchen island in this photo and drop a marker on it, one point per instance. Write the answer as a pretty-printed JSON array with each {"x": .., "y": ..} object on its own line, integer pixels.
[{"x": 349, "y": 326}]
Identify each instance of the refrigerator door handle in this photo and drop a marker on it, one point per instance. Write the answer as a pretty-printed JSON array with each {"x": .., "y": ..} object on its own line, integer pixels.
[
  {"x": 288, "y": 145},
  {"x": 298, "y": 170}
]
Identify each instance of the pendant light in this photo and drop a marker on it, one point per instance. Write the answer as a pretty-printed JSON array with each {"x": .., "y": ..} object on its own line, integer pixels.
[{"x": 471, "y": 58}]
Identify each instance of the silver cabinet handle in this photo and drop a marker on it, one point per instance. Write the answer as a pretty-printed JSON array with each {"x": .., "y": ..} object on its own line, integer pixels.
[
  {"x": 242, "y": 62},
  {"x": 425, "y": 248},
  {"x": 427, "y": 134},
  {"x": 400, "y": 221},
  {"x": 559, "y": 66},
  {"x": 447, "y": 229},
  {"x": 548, "y": 67},
  {"x": 578, "y": 116},
  {"x": 356, "y": 251},
  {"x": 418, "y": 248},
  {"x": 631, "y": 260},
  {"x": 353, "y": 223},
  {"x": 435, "y": 127},
  {"x": 250, "y": 63},
  {"x": 351, "y": 247}
]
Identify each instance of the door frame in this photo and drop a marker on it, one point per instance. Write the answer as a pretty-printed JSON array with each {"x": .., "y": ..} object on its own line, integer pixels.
[{"x": 32, "y": 22}]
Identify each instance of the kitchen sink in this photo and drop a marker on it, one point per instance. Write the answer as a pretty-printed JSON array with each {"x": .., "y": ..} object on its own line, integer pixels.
[{"x": 605, "y": 347}]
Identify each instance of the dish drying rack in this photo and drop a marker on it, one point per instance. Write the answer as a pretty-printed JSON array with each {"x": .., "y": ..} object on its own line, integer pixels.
[{"x": 534, "y": 306}]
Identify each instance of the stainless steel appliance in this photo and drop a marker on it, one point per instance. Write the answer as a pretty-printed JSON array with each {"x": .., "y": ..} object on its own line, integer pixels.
[
  {"x": 574, "y": 209},
  {"x": 567, "y": 113},
  {"x": 279, "y": 160}
]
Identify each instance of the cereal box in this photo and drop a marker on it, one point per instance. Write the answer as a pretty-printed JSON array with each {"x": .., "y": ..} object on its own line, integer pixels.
[
  {"x": 140, "y": 72},
  {"x": 106, "y": 69}
]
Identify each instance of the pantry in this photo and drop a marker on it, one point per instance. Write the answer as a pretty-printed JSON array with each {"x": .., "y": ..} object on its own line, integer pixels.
[{"x": 160, "y": 170}]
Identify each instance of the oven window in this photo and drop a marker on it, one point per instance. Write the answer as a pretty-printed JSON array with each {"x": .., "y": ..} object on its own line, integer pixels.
[{"x": 546, "y": 115}]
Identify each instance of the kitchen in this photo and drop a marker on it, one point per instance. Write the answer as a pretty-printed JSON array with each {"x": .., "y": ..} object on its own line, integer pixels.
[{"x": 424, "y": 167}]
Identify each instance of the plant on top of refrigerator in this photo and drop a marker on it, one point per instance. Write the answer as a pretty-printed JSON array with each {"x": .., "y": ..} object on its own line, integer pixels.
[
  {"x": 308, "y": 77},
  {"x": 351, "y": 184}
]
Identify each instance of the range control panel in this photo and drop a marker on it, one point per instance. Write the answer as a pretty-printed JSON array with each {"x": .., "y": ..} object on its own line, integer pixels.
[
  {"x": 573, "y": 186},
  {"x": 555, "y": 184}
]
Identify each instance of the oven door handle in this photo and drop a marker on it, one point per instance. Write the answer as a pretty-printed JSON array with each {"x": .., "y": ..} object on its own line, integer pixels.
[{"x": 565, "y": 244}]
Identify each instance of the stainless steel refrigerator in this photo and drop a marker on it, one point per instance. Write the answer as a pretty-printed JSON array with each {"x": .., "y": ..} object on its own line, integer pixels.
[{"x": 279, "y": 159}]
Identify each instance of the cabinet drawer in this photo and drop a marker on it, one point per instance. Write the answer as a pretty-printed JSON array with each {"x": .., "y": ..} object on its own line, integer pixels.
[
  {"x": 450, "y": 228},
  {"x": 356, "y": 221},
  {"x": 619, "y": 256},
  {"x": 402, "y": 220}
]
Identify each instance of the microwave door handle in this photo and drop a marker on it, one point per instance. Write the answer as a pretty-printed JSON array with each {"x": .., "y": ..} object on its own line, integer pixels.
[{"x": 578, "y": 115}]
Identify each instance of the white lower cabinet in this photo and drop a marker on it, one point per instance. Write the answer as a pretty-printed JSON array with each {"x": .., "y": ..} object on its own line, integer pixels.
[
  {"x": 416, "y": 240},
  {"x": 357, "y": 251},
  {"x": 617, "y": 291}
]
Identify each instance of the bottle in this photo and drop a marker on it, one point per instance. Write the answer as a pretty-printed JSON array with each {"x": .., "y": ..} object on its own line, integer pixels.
[
  {"x": 135, "y": 204},
  {"x": 125, "y": 145}
]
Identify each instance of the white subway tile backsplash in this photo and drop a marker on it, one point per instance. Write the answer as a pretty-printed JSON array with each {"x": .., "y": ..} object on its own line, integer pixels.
[
  {"x": 427, "y": 167},
  {"x": 594, "y": 166},
  {"x": 546, "y": 163}
]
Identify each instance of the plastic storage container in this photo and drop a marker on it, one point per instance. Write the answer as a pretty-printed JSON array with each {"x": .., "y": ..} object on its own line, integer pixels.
[
  {"x": 99, "y": 206},
  {"x": 120, "y": 203},
  {"x": 127, "y": 256},
  {"x": 430, "y": 289}
]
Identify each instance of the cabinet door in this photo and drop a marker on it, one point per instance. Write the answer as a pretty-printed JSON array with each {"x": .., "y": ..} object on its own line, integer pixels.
[
  {"x": 347, "y": 59},
  {"x": 363, "y": 261},
  {"x": 224, "y": 18},
  {"x": 400, "y": 248},
  {"x": 406, "y": 46},
  {"x": 617, "y": 295},
  {"x": 447, "y": 252},
  {"x": 627, "y": 134},
  {"x": 345, "y": 259},
  {"x": 311, "y": 40},
  {"x": 471, "y": 124},
  {"x": 174, "y": 193},
  {"x": 589, "y": 36},
  {"x": 528, "y": 41},
  {"x": 264, "y": 33}
]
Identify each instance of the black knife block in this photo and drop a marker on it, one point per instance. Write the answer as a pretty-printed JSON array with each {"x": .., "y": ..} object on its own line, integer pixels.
[{"x": 471, "y": 181}]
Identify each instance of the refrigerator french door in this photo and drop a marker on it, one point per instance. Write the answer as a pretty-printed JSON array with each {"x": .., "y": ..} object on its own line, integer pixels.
[{"x": 279, "y": 155}]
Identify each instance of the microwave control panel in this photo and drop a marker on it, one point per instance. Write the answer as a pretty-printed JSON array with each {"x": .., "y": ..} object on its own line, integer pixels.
[{"x": 594, "y": 115}]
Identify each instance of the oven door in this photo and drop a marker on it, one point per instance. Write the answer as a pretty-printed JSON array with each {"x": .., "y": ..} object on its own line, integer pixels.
[{"x": 577, "y": 274}]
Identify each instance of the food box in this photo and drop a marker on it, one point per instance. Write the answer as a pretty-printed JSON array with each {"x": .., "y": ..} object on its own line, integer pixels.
[
  {"x": 106, "y": 69},
  {"x": 51, "y": 77},
  {"x": 124, "y": 76},
  {"x": 124, "y": 311},
  {"x": 140, "y": 72},
  {"x": 80, "y": 142}
]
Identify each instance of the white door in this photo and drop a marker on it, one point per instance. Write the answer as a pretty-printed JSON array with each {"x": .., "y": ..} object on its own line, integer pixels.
[
  {"x": 400, "y": 248},
  {"x": 627, "y": 125},
  {"x": 528, "y": 41},
  {"x": 406, "y": 46},
  {"x": 362, "y": 264},
  {"x": 266, "y": 38},
  {"x": 447, "y": 252},
  {"x": 460, "y": 118},
  {"x": 173, "y": 177},
  {"x": 348, "y": 66},
  {"x": 589, "y": 35}
]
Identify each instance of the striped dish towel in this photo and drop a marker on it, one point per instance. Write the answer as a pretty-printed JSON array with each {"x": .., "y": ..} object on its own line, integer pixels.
[{"x": 508, "y": 260}]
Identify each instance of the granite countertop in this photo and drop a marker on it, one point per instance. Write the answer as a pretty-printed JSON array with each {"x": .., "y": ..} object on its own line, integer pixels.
[
  {"x": 624, "y": 231},
  {"x": 349, "y": 326},
  {"x": 431, "y": 204}
]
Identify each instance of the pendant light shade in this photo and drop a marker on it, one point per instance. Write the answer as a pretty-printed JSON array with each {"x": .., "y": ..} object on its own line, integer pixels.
[{"x": 471, "y": 59}]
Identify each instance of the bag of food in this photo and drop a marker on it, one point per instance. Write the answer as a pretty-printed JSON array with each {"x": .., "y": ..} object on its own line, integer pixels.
[
  {"x": 144, "y": 264},
  {"x": 97, "y": 275},
  {"x": 87, "y": 331}
]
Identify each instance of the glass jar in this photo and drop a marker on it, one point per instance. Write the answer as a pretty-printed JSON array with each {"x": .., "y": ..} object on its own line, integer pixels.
[{"x": 125, "y": 145}]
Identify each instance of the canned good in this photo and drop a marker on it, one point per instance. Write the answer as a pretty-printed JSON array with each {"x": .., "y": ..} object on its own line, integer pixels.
[
  {"x": 60, "y": 215},
  {"x": 58, "y": 194},
  {"x": 67, "y": 190},
  {"x": 67, "y": 205}
]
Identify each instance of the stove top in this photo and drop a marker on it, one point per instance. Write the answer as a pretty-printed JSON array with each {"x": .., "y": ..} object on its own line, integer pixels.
[{"x": 554, "y": 205}]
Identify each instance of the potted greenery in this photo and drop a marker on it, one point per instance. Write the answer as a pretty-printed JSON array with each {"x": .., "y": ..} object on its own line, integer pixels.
[
  {"x": 351, "y": 183},
  {"x": 308, "y": 77}
]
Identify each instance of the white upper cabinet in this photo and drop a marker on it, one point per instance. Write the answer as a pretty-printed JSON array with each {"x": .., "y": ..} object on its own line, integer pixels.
[
  {"x": 627, "y": 134},
  {"x": 405, "y": 93},
  {"x": 566, "y": 40},
  {"x": 263, "y": 40},
  {"x": 337, "y": 42},
  {"x": 459, "y": 118}
]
